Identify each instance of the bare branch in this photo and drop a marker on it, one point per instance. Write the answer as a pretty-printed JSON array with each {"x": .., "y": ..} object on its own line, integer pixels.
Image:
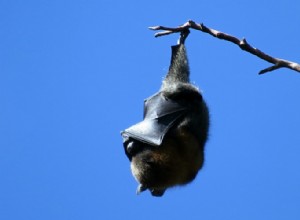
[{"x": 243, "y": 44}]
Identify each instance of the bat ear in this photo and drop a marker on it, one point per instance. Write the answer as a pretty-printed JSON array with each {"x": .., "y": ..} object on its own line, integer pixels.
[{"x": 157, "y": 192}]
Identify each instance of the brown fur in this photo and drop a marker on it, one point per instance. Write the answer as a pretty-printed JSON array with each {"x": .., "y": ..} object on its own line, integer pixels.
[{"x": 181, "y": 155}]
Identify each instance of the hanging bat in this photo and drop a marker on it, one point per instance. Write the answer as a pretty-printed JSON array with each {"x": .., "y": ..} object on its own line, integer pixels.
[{"x": 166, "y": 149}]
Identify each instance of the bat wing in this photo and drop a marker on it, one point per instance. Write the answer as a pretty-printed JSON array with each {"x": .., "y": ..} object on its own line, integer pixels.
[{"x": 160, "y": 114}]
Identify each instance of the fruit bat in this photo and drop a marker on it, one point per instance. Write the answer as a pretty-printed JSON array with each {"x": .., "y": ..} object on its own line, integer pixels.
[{"x": 166, "y": 148}]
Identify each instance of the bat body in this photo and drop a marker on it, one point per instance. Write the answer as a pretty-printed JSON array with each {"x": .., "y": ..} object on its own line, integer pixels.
[{"x": 166, "y": 149}]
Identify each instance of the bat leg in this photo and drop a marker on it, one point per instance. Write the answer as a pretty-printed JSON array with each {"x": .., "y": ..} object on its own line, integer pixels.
[{"x": 141, "y": 188}]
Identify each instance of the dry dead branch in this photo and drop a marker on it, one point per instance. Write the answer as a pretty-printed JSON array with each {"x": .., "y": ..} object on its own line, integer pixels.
[{"x": 243, "y": 44}]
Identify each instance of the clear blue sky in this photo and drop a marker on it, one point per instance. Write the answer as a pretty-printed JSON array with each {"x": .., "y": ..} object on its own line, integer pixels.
[{"x": 73, "y": 74}]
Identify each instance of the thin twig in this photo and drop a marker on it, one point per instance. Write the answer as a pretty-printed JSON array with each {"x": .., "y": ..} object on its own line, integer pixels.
[{"x": 243, "y": 44}]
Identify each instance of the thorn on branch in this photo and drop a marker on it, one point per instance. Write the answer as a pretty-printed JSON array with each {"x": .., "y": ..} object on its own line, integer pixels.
[{"x": 243, "y": 44}]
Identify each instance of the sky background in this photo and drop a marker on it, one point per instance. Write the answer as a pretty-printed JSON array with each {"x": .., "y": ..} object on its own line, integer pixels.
[{"x": 73, "y": 74}]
